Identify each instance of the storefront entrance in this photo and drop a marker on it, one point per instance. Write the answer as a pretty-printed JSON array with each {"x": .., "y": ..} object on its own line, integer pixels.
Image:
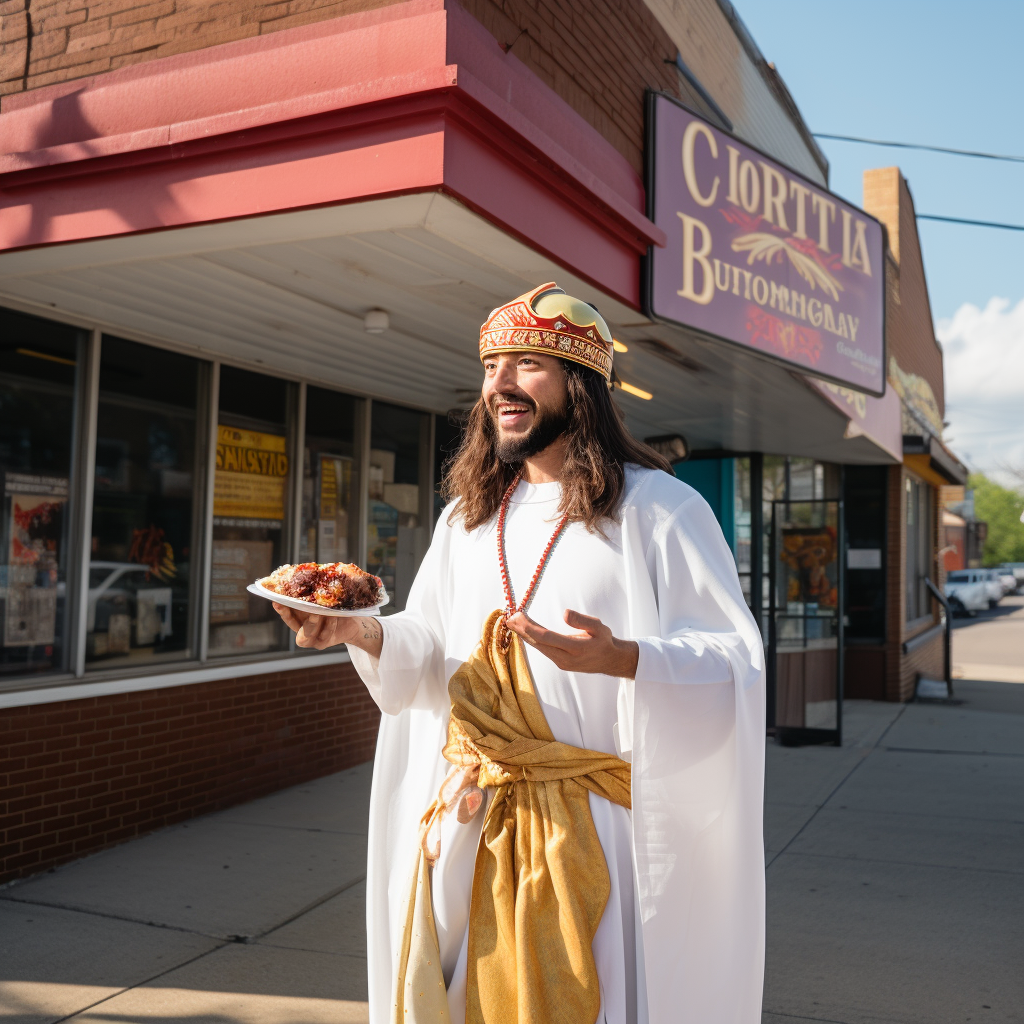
[{"x": 805, "y": 621}]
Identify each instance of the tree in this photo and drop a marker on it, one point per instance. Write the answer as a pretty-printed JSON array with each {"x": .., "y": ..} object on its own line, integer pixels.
[{"x": 1001, "y": 509}]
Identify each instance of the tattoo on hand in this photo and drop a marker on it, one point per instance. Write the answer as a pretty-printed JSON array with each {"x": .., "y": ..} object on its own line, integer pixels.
[{"x": 370, "y": 630}]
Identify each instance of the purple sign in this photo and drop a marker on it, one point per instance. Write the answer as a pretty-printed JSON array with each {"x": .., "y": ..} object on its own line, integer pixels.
[{"x": 759, "y": 256}]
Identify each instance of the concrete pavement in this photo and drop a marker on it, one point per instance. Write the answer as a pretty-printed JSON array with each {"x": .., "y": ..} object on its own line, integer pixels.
[
  {"x": 896, "y": 867},
  {"x": 895, "y": 892},
  {"x": 253, "y": 915}
]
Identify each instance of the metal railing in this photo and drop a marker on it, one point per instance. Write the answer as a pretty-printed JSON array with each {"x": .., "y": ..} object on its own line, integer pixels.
[{"x": 948, "y": 637}]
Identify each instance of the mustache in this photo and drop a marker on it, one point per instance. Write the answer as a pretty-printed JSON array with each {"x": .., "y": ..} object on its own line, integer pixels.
[{"x": 508, "y": 396}]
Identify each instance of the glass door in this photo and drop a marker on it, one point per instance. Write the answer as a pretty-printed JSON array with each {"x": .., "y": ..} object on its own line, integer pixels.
[{"x": 805, "y": 657}]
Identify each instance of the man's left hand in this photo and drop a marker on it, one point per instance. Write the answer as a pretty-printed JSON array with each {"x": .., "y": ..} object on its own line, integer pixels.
[{"x": 593, "y": 649}]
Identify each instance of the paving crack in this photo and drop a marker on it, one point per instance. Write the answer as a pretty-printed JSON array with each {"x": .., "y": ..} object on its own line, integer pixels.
[
  {"x": 967, "y": 753},
  {"x": 139, "y": 984},
  {"x": 53, "y": 905}
]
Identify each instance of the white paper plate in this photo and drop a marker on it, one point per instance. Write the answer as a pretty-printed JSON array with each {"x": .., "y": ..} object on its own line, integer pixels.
[{"x": 309, "y": 606}]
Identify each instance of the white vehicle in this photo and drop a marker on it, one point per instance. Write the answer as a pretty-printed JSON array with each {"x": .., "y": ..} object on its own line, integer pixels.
[
  {"x": 1008, "y": 580},
  {"x": 993, "y": 580},
  {"x": 113, "y": 584},
  {"x": 1016, "y": 570},
  {"x": 967, "y": 592}
]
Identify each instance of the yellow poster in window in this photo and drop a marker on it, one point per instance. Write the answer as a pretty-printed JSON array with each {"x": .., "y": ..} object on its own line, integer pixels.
[{"x": 252, "y": 474}]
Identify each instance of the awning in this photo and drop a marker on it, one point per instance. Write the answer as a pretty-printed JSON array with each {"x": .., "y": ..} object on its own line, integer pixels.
[
  {"x": 933, "y": 461},
  {"x": 876, "y": 419},
  {"x": 288, "y": 293}
]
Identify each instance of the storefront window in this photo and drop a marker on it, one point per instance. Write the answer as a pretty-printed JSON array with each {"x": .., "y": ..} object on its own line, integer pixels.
[
  {"x": 790, "y": 478},
  {"x": 447, "y": 438},
  {"x": 918, "y": 547},
  {"x": 773, "y": 488},
  {"x": 143, "y": 544},
  {"x": 139, "y": 596},
  {"x": 330, "y": 478},
  {"x": 250, "y": 510},
  {"x": 741, "y": 541},
  {"x": 865, "y": 515},
  {"x": 397, "y": 533},
  {"x": 37, "y": 391}
]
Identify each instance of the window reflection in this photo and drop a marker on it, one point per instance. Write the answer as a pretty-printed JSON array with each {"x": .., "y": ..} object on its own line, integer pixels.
[
  {"x": 250, "y": 500},
  {"x": 330, "y": 478},
  {"x": 397, "y": 535},
  {"x": 142, "y": 522},
  {"x": 742, "y": 525},
  {"x": 38, "y": 361}
]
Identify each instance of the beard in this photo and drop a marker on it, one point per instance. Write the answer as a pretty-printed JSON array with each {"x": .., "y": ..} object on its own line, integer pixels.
[{"x": 548, "y": 427}]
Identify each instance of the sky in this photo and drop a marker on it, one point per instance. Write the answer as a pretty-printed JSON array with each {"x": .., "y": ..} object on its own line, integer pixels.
[{"x": 942, "y": 74}]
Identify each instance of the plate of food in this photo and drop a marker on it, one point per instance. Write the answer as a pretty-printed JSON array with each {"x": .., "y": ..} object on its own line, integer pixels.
[{"x": 324, "y": 588}]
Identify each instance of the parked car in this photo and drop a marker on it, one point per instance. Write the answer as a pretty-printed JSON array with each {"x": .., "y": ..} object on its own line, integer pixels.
[
  {"x": 1008, "y": 580},
  {"x": 996, "y": 592},
  {"x": 967, "y": 592},
  {"x": 1016, "y": 570}
]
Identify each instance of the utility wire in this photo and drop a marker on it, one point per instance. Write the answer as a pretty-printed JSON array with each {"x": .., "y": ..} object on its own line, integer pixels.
[
  {"x": 913, "y": 145},
  {"x": 976, "y": 223}
]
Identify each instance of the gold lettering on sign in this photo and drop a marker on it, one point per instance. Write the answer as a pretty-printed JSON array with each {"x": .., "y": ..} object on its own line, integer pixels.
[
  {"x": 800, "y": 193},
  {"x": 693, "y": 254},
  {"x": 693, "y": 129},
  {"x": 826, "y": 211},
  {"x": 774, "y": 196},
  {"x": 859, "y": 257},
  {"x": 734, "y": 176},
  {"x": 750, "y": 186}
]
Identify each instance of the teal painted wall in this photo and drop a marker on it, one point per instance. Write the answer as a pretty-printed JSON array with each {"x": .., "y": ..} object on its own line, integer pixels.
[{"x": 714, "y": 479}]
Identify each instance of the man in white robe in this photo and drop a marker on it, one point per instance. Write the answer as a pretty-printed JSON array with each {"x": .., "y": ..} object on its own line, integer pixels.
[{"x": 662, "y": 665}]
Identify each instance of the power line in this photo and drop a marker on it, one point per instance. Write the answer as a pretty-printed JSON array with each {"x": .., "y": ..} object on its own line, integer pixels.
[
  {"x": 913, "y": 145},
  {"x": 975, "y": 223}
]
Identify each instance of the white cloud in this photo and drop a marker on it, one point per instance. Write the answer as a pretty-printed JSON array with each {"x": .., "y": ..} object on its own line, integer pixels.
[{"x": 984, "y": 363}]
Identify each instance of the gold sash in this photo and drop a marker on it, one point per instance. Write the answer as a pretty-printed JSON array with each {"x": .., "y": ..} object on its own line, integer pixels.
[{"x": 540, "y": 883}]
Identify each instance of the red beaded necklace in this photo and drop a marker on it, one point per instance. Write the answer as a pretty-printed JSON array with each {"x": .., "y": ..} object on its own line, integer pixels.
[{"x": 506, "y": 581}]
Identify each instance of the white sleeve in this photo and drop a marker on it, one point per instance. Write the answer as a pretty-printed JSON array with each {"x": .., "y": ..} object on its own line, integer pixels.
[
  {"x": 696, "y": 721},
  {"x": 410, "y": 670},
  {"x": 704, "y": 619}
]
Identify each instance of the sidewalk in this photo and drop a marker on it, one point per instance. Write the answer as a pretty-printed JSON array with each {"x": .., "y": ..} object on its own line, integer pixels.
[
  {"x": 896, "y": 866},
  {"x": 895, "y": 892},
  {"x": 254, "y": 915}
]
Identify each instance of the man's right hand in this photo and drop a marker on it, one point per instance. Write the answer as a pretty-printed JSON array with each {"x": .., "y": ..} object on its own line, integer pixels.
[{"x": 322, "y": 631}]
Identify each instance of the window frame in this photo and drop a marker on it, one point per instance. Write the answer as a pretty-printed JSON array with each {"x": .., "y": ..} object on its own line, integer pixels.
[
  {"x": 918, "y": 547},
  {"x": 81, "y": 681}
]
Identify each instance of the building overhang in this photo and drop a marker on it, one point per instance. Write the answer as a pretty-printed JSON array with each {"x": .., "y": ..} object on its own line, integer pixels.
[
  {"x": 250, "y": 202},
  {"x": 413, "y": 97},
  {"x": 932, "y": 460}
]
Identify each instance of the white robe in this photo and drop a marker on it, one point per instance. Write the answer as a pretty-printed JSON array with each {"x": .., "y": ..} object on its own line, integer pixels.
[{"x": 682, "y": 937}]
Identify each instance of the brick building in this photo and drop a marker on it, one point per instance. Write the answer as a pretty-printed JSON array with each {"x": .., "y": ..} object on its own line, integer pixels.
[
  {"x": 905, "y": 640},
  {"x": 200, "y": 204}
]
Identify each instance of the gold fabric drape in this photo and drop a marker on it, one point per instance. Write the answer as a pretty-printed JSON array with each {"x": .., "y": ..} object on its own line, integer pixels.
[{"x": 540, "y": 882}]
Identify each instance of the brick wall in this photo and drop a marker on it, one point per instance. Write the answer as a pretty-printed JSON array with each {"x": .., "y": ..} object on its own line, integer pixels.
[
  {"x": 598, "y": 55},
  {"x": 45, "y": 41},
  {"x": 81, "y": 775},
  {"x": 742, "y": 84},
  {"x": 909, "y": 333},
  {"x": 902, "y": 670}
]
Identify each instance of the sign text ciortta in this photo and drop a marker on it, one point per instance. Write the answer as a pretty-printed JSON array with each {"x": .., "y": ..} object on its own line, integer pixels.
[{"x": 759, "y": 256}]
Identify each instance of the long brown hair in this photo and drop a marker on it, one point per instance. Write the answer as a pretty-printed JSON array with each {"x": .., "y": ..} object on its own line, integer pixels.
[{"x": 598, "y": 447}]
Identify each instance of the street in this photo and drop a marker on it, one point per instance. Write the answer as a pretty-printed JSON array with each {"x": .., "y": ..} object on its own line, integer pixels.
[
  {"x": 895, "y": 885},
  {"x": 991, "y": 645}
]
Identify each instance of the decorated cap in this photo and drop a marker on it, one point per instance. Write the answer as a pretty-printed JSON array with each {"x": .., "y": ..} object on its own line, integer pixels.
[{"x": 549, "y": 321}]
